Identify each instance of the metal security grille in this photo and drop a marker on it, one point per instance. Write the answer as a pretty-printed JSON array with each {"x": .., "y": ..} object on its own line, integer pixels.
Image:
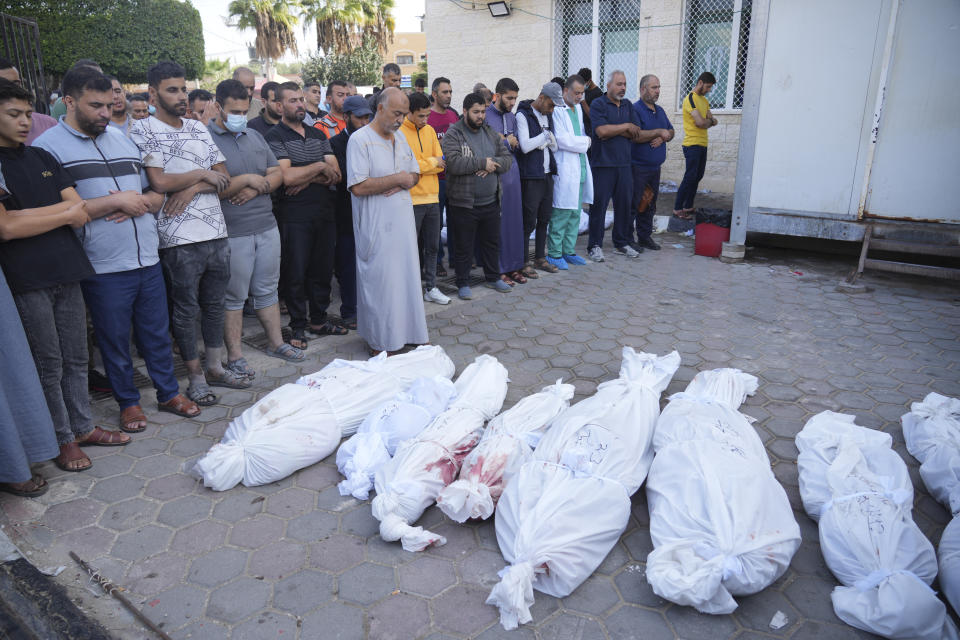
[
  {"x": 715, "y": 39},
  {"x": 613, "y": 44},
  {"x": 21, "y": 45}
]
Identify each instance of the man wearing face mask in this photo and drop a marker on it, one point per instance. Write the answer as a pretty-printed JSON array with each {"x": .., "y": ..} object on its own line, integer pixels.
[
  {"x": 121, "y": 242},
  {"x": 382, "y": 170},
  {"x": 357, "y": 113}
]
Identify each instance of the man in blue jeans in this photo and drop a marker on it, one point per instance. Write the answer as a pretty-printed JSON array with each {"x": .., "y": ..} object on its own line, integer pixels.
[{"x": 121, "y": 243}]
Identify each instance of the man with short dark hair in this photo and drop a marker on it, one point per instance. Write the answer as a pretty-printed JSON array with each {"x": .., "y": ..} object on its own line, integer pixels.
[
  {"x": 697, "y": 118},
  {"x": 197, "y": 101},
  {"x": 357, "y": 112},
  {"x": 422, "y": 140},
  {"x": 268, "y": 116},
  {"x": 121, "y": 243},
  {"x": 43, "y": 262},
  {"x": 312, "y": 98},
  {"x": 590, "y": 93},
  {"x": 39, "y": 122},
  {"x": 252, "y": 229},
  {"x": 247, "y": 78},
  {"x": 614, "y": 127},
  {"x": 475, "y": 158},
  {"x": 382, "y": 171},
  {"x": 512, "y": 241},
  {"x": 118, "y": 114},
  {"x": 59, "y": 108},
  {"x": 537, "y": 168},
  {"x": 139, "y": 107},
  {"x": 182, "y": 161},
  {"x": 308, "y": 226},
  {"x": 442, "y": 115},
  {"x": 390, "y": 75},
  {"x": 420, "y": 86},
  {"x": 648, "y": 154},
  {"x": 333, "y": 122}
]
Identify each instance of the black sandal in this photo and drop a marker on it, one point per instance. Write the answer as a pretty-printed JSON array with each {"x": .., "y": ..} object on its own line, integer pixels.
[
  {"x": 300, "y": 336},
  {"x": 349, "y": 323},
  {"x": 329, "y": 329}
]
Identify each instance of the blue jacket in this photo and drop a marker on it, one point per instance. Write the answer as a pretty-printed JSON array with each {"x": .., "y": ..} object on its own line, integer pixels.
[{"x": 109, "y": 162}]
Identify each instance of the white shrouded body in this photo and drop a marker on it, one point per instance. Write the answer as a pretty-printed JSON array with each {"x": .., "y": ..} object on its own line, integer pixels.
[
  {"x": 507, "y": 443},
  {"x": 411, "y": 481},
  {"x": 297, "y": 425},
  {"x": 720, "y": 523},
  {"x": 381, "y": 432},
  {"x": 566, "y": 508},
  {"x": 863, "y": 498}
]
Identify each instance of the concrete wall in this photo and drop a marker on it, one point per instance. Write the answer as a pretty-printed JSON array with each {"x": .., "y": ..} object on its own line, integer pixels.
[{"x": 469, "y": 46}]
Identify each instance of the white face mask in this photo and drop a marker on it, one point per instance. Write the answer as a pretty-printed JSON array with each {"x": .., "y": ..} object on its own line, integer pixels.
[{"x": 235, "y": 122}]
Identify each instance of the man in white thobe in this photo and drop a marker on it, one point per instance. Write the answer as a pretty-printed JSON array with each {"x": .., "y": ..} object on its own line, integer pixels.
[{"x": 381, "y": 170}]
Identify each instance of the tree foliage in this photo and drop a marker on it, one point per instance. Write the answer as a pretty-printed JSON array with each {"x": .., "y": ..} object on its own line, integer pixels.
[
  {"x": 126, "y": 37},
  {"x": 343, "y": 25},
  {"x": 274, "y": 21},
  {"x": 360, "y": 66}
]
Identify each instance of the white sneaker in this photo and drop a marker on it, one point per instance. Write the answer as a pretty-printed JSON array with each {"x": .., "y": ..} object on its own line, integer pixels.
[
  {"x": 596, "y": 254},
  {"x": 628, "y": 251},
  {"x": 434, "y": 295}
]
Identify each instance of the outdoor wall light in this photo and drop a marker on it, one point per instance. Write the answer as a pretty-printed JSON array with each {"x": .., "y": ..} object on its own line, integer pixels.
[{"x": 498, "y": 9}]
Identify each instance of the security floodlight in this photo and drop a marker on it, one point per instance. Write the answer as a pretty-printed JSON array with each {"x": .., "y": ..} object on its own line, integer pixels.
[{"x": 498, "y": 9}]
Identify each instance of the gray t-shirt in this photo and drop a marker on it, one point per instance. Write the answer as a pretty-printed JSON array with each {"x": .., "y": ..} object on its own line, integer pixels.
[
  {"x": 246, "y": 152},
  {"x": 485, "y": 189}
]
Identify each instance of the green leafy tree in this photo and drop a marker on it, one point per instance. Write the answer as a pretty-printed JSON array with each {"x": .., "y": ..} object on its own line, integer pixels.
[
  {"x": 274, "y": 21},
  {"x": 126, "y": 37},
  {"x": 421, "y": 72},
  {"x": 360, "y": 66},
  {"x": 343, "y": 25}
]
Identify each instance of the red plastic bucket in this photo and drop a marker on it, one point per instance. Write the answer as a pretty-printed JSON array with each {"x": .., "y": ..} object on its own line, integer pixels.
[{"x": 709, "y": 239}]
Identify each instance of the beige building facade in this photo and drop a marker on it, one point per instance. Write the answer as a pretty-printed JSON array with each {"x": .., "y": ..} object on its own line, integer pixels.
[
  {"x": 540, "y": 39},
  {"x": 408, "y": 50}
]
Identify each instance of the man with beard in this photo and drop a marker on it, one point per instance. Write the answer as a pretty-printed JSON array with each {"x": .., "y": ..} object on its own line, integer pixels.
[
  {"x": 182, "y": 161},
  {"x": 333, "y": 122},
  {"x": 118, "y": 112},
  {"x": 197, "y": 101},
  {"x": 121, "y": 243},
  {"x": 500, "y": 117},
  {"x": 139, "y": 107},
  {"x": 441, "y": 117},
  {"x": 382, "y": 170},
  {"x": 537, "y": 168},
  {"x": 422, "y": 140},
  {"x": 268, "y": 116},
  {"x": 308, "y": 226},
  {"x": 43, "y": 261},
  {"x": 357, "y": 112},
  {"x": 475, "y": 158},
  {"x": 614, "y": 127},
  {"x": 646, "y": 157}
]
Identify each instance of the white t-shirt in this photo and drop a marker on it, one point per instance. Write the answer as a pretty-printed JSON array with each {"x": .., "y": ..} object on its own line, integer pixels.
[{"x": 179, "y": 151}]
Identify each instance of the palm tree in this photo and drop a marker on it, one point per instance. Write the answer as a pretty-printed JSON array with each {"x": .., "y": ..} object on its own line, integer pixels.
[
  {"x": 342, "y": 24},
  {"x": 274, "y": 21}
]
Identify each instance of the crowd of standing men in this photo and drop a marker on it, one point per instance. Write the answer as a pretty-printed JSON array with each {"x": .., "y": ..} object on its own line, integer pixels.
[{"x": 171, "y": 215}]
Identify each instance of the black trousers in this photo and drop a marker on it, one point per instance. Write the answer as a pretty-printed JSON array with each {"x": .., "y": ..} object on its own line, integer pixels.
[
  {"x": 537, "y": 197},
  {"x": 306, "y": 268},
  {"x": 478, "y": 227}
]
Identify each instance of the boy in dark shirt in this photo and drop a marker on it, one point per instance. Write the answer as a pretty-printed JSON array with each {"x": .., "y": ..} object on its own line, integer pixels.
[{"x": 44, "y": 263}]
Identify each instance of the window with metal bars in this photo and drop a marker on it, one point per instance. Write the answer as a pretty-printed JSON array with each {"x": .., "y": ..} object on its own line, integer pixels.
[
  {"x": 615, "y": 41},
  {"x": 715, "y": 39}
]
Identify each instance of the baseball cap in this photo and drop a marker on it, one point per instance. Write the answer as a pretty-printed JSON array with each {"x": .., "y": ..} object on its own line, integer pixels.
[
  {"x": 553, "y": 91},
  {"x": 357, "y": 106}
]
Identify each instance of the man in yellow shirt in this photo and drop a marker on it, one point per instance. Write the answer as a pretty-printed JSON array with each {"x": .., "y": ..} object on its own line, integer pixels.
[
  {"x": 425, "y": 145},
  {"x": 696, "y": 120}
]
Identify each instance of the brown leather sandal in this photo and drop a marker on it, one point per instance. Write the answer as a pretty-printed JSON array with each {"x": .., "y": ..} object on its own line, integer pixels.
[
  {"x": 71, "y": 452},
  {"x": 133, "y": 420},
  {"x": 181, "y": 406},
  {"x": 103, "y": 438}
]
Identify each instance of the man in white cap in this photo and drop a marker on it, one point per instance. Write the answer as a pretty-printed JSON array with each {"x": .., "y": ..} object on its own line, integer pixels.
[{"x": 537, "y": 168}]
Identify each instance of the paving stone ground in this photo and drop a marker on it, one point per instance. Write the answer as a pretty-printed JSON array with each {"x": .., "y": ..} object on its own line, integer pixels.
[{"x": 296, "y": 560}]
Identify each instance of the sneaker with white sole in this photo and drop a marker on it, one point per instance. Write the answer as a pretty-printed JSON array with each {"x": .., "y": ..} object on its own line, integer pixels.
[
  {"x": 596, "y": 254},
  {"x": 436, "y": 296},
  {"x": 628, "y": 251}
]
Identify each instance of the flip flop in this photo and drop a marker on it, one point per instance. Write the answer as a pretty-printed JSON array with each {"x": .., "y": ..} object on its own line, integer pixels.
[
  {"x": 32, "y": 488},
  {"x": 181, "y": 406},
  {"x": 102, "y": 438}
]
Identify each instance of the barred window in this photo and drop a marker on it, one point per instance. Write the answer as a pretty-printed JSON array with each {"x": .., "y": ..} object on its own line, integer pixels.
[
  {"x": 404, "y": 58},
  {"x": 715, "y": 39},
  {"x": 617, "y": 34}
]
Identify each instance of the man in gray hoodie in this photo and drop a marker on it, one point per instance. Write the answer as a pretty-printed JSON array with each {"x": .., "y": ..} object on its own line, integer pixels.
[{"x": 475, "y": 158}]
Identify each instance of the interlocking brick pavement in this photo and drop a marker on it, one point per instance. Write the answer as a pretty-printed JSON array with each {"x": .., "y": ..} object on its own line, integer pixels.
[{"x": 296, "y": 560}]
